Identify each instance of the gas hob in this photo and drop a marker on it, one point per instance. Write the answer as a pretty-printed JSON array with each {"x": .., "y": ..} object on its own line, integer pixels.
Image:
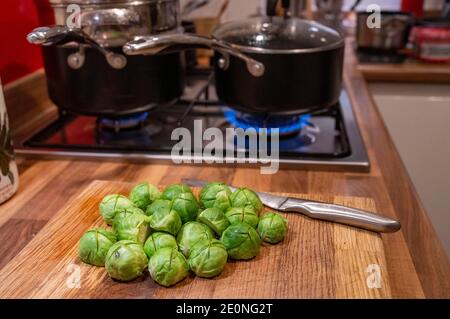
[{"x": 326, "y": 140}]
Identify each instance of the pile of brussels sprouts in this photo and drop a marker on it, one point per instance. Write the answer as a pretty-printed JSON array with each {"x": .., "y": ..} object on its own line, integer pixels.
[{"x": 172, "y": 233}]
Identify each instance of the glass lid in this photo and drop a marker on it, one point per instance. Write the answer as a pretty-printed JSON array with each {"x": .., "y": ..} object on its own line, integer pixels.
[{"x": 279, "y": 35}]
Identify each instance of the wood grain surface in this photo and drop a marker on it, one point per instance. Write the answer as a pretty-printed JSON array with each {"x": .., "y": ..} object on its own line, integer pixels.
[
  {"x": 316, "y": 260},
  {"x": 417, "y": 263}
]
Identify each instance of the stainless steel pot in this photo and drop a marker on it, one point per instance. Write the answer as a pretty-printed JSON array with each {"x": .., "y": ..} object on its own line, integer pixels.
[
  {"x": 391, "y": 36},
  {"x": 87, "y": 72},
  {"x": 112, "y": 23}
]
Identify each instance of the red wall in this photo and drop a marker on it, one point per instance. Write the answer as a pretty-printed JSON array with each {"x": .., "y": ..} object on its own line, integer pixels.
[{"x": 17, "y": 56}]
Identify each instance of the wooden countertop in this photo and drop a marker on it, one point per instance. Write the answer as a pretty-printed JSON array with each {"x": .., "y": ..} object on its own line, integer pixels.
[
  {"x": 417, "y": 263},
  {"x": 413, "y": 72}
]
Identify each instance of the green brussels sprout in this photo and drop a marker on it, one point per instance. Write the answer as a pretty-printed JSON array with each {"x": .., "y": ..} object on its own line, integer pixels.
[
  {"x": 126, "y": 260},
  {"x": 272, "y": 228},
  {"x": 94, "y": 246},
  {"x": 216, "y": 195},
  {"x": 132, "y": 224},
  {"x": 190, "y": 234},
  {"x": 241, "y": 241},
  {"x": 245, "y": 197},
  {"x": 168, "y": 267},
  {"x": 215, "y": 219},
  {"x": 157, "y": 205},
  {"x": 208, "y": 258},
  {"x": 166, "y": 220},
  {"x": 144, "y": 194},
  {"x": 242, "y": 215},
  {"x": 173, "y": 191},
  {"x": 111, "y": 205},
  {"x": 186, "y": 205},
  {"x": 157, "y": 241}
]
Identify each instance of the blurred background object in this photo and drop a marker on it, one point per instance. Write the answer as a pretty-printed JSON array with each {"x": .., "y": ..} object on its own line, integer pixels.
[
  {"x": 205, "y": 26},
  {"x": 392, "y": 36},
  {"x": 430, "y": 38},
  {"x": 9, "y": 176},
  {"x": 301, "y": 8},
  {"x": 330, "y": 13},
  {"x": 416, "y": 7}
]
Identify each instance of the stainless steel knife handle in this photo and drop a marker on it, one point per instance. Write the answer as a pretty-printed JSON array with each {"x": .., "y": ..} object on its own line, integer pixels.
[
  {"x": 342, "y": 215},
  {"x": 156, "y": 44}
]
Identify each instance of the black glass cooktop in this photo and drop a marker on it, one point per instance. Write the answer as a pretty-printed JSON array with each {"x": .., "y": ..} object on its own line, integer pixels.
[{"x": 328, "y": 139}]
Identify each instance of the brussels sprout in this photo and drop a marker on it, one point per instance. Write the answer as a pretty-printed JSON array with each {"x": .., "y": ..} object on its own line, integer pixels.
[
  {"x": 111, "y": 205},
  {"x": 94, "y": 246},
  {"x": 157, "y": 241},
  {"x": 215, "y": 219},
  {"x": 166, "y": 220},
  {"x": 157, "y": 205},
  {"x": 126, "y": 260},
  {"x": 242, "y": 215},
  {"x": 272, "y": 228},
  {"x": 173, "y": 191},
  {"x": 190, "y": 234},
  {"x": 208, "y": 258},
  {"x": 245, "y": 197},
  {"x": 130, "y": 210},
  {"x": 216, "y": 195},
  {"x": 132, "y": 224},
  {"x": 168, "y": 267},
  {"x": 144, "y": 194},
  {"x": 241, "y": 241},
  {"x": 185, "y": 204}
]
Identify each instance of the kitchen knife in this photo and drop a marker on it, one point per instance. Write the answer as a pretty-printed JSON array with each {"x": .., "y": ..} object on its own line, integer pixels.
[{"x": 322, "y": 211}]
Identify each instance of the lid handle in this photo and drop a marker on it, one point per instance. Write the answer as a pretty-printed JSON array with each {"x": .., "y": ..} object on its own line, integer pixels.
[{"x": 286, "y": 4}]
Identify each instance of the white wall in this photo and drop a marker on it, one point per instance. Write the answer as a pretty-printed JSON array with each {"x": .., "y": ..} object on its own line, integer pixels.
[{"x": 418, "y": 119}]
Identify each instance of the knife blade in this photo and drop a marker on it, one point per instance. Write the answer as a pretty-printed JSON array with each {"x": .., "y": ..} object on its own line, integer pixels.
[{"x": 321, "y": 211}]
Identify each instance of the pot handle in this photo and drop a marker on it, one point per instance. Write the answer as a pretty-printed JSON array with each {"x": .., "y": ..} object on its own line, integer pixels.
[
  {"x": 152, "y": 45},
  {"x": 53, "y": 35}
]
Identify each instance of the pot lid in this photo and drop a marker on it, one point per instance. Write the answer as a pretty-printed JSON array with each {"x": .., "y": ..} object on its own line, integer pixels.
[{"x": 279, "y": 35}]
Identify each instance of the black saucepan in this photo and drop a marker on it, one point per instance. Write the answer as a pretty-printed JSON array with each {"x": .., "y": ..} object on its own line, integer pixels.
[{"x": 268, "y": 65}]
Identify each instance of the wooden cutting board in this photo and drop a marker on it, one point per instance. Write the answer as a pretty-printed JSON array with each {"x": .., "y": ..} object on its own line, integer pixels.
[{"x": 316, "y": 260}]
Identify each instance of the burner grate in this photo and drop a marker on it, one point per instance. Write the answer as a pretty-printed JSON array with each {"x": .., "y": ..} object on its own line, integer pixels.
[{"x": 287, "y": 125}]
